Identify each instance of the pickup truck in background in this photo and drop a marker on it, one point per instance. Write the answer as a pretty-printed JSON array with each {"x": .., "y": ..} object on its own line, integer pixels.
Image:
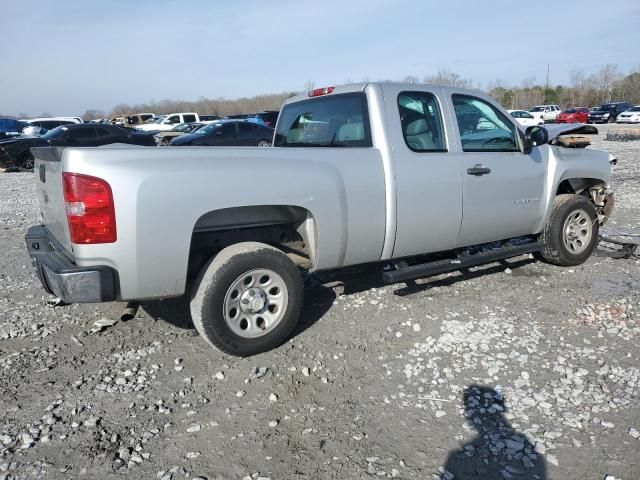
[
  {"x": 167, "y": 122},
  {"x": 546, "y": 113},
  {"x": 372, "y": 172}
]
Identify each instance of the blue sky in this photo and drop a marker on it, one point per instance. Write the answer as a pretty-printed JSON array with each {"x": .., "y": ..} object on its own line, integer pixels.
[{"x": 65, "y": 57}]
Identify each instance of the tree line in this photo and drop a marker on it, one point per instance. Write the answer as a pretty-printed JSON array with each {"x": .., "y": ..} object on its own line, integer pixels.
[{"x": 606, "y": 85}]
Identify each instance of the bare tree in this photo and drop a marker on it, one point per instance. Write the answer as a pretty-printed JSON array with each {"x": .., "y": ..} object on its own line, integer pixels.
[
  {"x": 93, "y": 114},
  {"x": 448, "y": 78}
]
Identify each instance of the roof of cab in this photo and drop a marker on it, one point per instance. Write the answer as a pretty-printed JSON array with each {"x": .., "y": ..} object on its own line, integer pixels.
[{"x": 359, "y": 87}]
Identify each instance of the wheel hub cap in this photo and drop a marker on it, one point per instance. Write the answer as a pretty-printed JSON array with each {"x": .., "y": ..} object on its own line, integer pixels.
[
  {"x": 255, "y": 303},
  {"x": 577, "y": 231},
  {"x": 253, "y": 300}
]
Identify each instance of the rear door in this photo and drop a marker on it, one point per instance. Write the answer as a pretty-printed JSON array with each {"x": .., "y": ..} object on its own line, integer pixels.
[
  {"x": 427, "y": 172},
  {"x": 226, "y": 135},
  {"x": 502, "y": 187},
  {"x": 105, "y": 136},
  {"x": 247, "y": 134}
]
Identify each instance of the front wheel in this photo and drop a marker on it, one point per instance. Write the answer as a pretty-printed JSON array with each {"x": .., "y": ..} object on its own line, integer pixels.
[
  {"x": 571, "y": 234},
  {"x": 247, "y": 299}
]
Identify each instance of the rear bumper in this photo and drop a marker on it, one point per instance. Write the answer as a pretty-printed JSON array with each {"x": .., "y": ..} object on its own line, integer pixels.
[{"x": 61, "y": 277}]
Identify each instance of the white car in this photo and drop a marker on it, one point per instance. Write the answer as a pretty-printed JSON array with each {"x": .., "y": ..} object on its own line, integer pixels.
[
  {"x": 168, "y": 122},
  {"x": 630, "y": 116},
  {"x": 524, "y": 118},
  {"x": 546, "y": 113}
]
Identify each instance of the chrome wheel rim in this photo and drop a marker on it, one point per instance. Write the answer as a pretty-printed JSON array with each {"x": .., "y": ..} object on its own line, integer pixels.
[
  {"x": 263, "y": 143},
  {"x": 577, "y": 231},
  {"x": 255, "y": 303}
]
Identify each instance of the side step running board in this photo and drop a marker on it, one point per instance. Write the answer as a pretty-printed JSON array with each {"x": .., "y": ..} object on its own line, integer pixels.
[{"x": 404, "y": 271}]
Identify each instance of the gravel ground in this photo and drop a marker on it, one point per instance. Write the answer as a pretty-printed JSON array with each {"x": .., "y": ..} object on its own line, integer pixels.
[{"x": 511, "y": 371}]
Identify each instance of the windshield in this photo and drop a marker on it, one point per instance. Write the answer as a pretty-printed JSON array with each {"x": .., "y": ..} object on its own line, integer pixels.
[
  {"x": 635, "y": 109},
  {"x": 183, "y": 127},
  {"x": 158, "y": 120},
  {"x": 537, "y": 109},
  {"x": 56, "y": 132},
  {"x": 570, "y": 110},
  {"x": 606, "y": 108},
  {"x": 207, "y": 129}
]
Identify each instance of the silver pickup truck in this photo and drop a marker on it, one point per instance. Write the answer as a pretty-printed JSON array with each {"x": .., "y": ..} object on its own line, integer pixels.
[{"x": 375, "y": 172}]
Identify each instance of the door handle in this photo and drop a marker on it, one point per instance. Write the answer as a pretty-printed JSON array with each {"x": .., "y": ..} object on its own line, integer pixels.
[{"x": 478, "y": 170}]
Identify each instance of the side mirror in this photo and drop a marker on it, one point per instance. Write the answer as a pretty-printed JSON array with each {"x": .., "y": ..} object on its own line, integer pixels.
[{"x": 534, "y": 137}]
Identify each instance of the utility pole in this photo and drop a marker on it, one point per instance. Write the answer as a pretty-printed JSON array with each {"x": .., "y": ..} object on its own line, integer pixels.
[{"x": 546, "y": 85}]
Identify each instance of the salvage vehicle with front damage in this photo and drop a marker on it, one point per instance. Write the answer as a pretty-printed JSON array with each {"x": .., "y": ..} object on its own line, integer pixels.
[
  {"x": 15, "y": 153},
  {"x": 368, "y": 173}
]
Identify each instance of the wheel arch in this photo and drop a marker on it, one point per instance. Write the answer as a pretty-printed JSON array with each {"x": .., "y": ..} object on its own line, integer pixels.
[
  {"x": 290, "y": 228},
  {"x": 578, "y": 185}
]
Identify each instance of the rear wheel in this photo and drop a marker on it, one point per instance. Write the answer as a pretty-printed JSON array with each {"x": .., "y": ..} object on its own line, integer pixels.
[
  {"x": 25, "y": 161},
  {"x": 571, "y": 234},
  {"x": 264, "y": 143},
  {"x": 248, "y": 299}
]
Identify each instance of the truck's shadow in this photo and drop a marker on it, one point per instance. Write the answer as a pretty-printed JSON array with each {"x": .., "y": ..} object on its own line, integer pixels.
[{"x": 321, "y": 288}]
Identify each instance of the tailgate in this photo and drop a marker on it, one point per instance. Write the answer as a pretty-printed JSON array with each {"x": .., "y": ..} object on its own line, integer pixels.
[{"x": 48, "y": 173}]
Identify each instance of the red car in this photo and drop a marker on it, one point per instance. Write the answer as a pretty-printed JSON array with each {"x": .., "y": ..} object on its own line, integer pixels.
[{"x": 573, "y": 115}]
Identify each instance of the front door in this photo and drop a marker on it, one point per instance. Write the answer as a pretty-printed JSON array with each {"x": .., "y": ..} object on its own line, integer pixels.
[
  {"x": 502, "y": 187},
  {"x": 427, "y": 173}
]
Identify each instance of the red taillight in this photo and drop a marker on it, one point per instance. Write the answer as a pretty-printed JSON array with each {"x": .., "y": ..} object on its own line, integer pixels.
[
  {"x": 321, "y": 91},
  {"x": 90, "y": 211}
]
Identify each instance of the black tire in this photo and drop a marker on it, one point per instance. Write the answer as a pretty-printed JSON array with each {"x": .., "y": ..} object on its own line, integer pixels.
[
  {"x": 555, "y": 250},
  {"x": 25, "y": 161},
  {"x": 214, "y": 282},
  {"x": 264, "y": 143}
]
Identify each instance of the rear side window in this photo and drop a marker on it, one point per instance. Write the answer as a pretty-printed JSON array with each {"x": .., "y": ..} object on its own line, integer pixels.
[
  {"x": 102, "y": 133},
  {"x": 189, "y": 118},
  {"x": 483, "y": 128},
  {"x": 331, "y": 121},
  {"x": 228, "y": 129},
  {"x": 247, "y": 127},
  {"x": 421, "y": 122},
  {"x": 81, "y": 136}
]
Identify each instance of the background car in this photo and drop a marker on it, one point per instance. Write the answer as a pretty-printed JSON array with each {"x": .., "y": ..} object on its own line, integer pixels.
[
  {"x": 50, "y": 123},
  {"x": 268, "y": 117},
  {"x": 524, "y": 118},
  {"x": 10, "y": 127},
  {"x": 16, "y": 153},
  {"x": 228, "y": 133},
  {"x": 546, "y": 113},
  {"x": 608, "y": 112},
  {"x": 630, "y": 116},
  {"x": 137, "y": 119},
  {"x": 209, "y": 118},
  {"x": 573, "y": 115},
  {"x": 164, "y": 138}
]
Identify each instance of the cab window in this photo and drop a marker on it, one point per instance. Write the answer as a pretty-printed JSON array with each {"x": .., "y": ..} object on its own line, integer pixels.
[
  {"x": 421, "y": 122},
  {"x": 483, "y": 128}
]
